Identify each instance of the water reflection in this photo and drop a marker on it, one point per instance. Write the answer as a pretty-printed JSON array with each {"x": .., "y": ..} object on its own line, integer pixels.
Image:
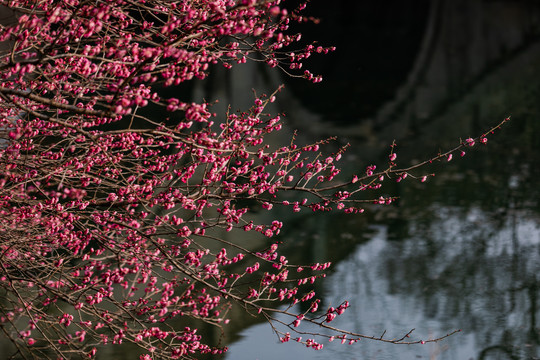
[
  {"x": 459, "y": 252},
  {"x": 458, "y": 268}
]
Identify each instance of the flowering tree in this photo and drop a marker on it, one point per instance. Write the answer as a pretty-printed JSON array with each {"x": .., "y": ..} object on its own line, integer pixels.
[{"x": 113, "y": 196}]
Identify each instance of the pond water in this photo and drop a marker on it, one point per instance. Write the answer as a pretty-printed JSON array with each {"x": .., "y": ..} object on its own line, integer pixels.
[
  {"x": 444, "y": 268},
  {"x": 461, "y": 251}
]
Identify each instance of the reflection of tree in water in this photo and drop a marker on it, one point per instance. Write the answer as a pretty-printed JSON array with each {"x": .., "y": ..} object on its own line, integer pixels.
[{"x": 473, "y": 269}]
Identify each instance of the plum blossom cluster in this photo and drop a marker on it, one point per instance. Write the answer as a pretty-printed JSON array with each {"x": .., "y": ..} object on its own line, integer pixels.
[{"x": 112, "y": 221}]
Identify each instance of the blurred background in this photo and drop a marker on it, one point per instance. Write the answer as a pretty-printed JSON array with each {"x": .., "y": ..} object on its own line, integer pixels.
[{"x": 461, "y": 251}]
